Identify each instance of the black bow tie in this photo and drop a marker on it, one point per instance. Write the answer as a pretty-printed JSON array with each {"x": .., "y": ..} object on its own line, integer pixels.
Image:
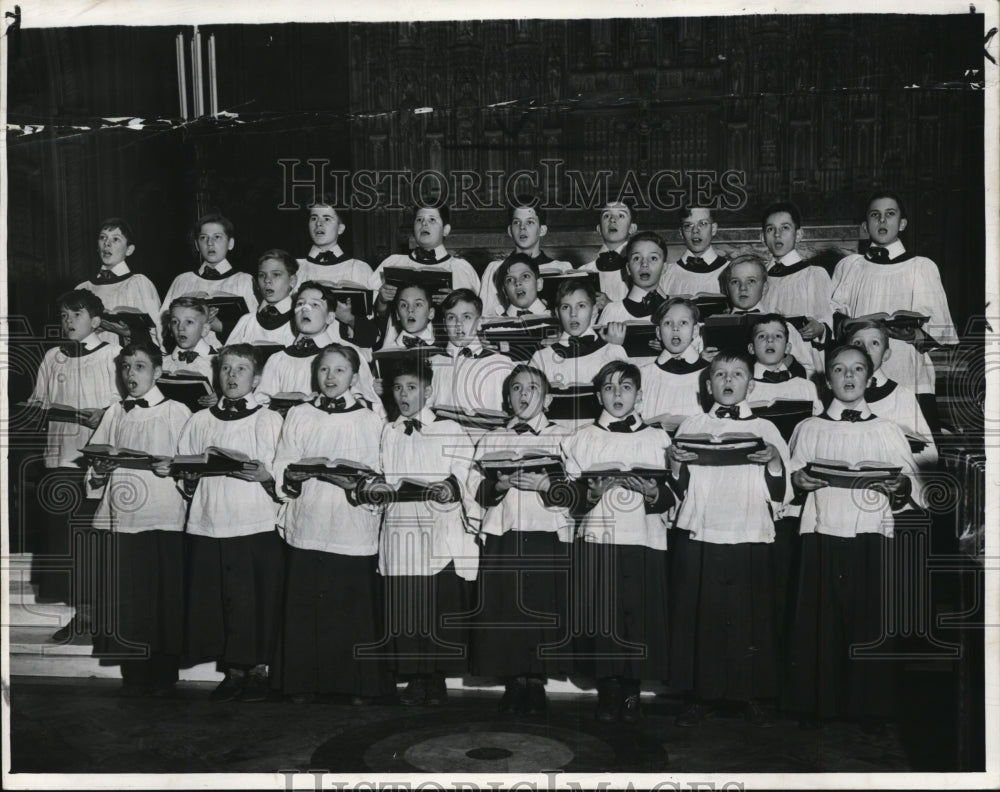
[
  {"x": 776, "y": 376},
  {"x": 210, "y": 273},
  {"x": 305, "y": 343},
  {"x": 850, "y": 415},
  {"x": 611, "y": 261},
  {"x": 72, "y": 349},
  {"x": 334, "y": 404},
  {"x": 423, "y": 256},
  {"x": 624, "y": 425},
  {"x": 877, "y": 254},
  {"x": 577, "y": 346},
  {"x": 678, "y": 365},
  {"x": 411, "y": 424},
  {"x": 326, "y": 257},
  {"x": 744, "y": 311},
  {"x": 411, "y": 342},
  {"x": 777, "y": 268},
  {"x": 466, "y": 352},
  {"x": 523, "y": 428},
  {"x": 234, "y": 405},
  {"x": 523, "y": 312},
  {"x": 129, "y": 404},
  {"x": 271, "y": 310},
  {"x": 728, "y": 412},
  {"x": 187, "y": 355},
  {"x": 104, "y": 276}
]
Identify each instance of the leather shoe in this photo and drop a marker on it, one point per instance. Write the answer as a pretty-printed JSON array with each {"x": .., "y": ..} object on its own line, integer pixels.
[
  {"x": 437, "y": 691},
  {"x": 693, "y": 715},
  {"x": 415, "y": 693},
  {"x": 631, "y": 706},
  {"x": 535, "y": 702},
  {"x": 756, "y": 715},
  {"x": 609, "y": 699},
  {"x": 256, "y": 687},
  {"x": 512, "y": 700},
  {"x": 230, "y": 688}
]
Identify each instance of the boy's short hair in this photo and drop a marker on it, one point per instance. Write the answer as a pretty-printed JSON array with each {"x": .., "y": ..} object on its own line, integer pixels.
[
  {"x": 501, "y": 273},
  {"x": 524, "y": 200},
  {"x": 760, "y": 319},
  {"x": 277, "y": 254},
  {"x": 326, "y": 199},
  {"x": 661, "y": 309},
  {"x": 147, "y": 348},
  {"x": 111, "y": 223},
  {"x": 890, "y": 194},
  {"x": 423, "y": 287},
  {"x": 462, "y": 295},
  {"x": 614, "y": 202},
  {"x": 523, "y": 368},
  {"x": 349, "y": 353},
  {"x": 215, "y": 217},
  {"x": 199, "y": 304},
  {"x": 570, "y": 285},
  {"x": 417, "y": 365},
  {"x": 81, "y": 300},
  {"x": 685, "y": 212},
  {"x": 733, "y": 355},
  {"x": 865, "y": 324},
  {"x": 628, "y": 371},
  {"x": 315, "y": 286},
  {"x": 645, "y": 236},
  {"x": 782, "y": 206},
  {"x": 442, "y": 210},
  {"x": 832, "y": 356},
  {"x": 248, "y": 351},
  {"x": 743, "y": 258}
]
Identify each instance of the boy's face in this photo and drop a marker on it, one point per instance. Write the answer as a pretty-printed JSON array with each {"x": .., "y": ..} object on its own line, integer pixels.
[
  {"x": 413, "y": 310},
  {"x": 874, "y": 343},
  {"x": 884, "y": 221},
  {"x": 462, "y": 321},
  {"x": 409, "y": 395},
  {"x": 77, "y": 323},
  {"x": 729, "y": 381},
  {"x": 188, "y": 326},
  {"x": 769, "y": 342},
  {"x": 645, "y": 264},
  {"x": 575, "y": 312},
  {"x": 780, "y": 234},
  {"x": 113, "y": 247},
  {"x": 312, "y": 314},
  {"x": 526, "y": 229},
  {"x": 746, "y": 285},
  {"x": 237, "y": 376},
  {"x": 698, "y": 230},
  {"x": 520, "y": 284},
  {"x": 847, "y": 375},
  {"x": 677, "y": 329},
  {"x": 528, "y": 396},
  {"x": 213, "y": 244},
  {"x": 335, "y": 375},
  {"x": 619, "y": 396},
  {"x": 428, "y": 228},
  {"x": 138, "y": 374},
  {"x": 325, "y": 227},
  {"x": 616, "y": 224},
  {"x": 274, "y": 281}
]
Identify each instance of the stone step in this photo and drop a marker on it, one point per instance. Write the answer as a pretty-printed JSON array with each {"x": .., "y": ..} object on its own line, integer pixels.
[{"x": 25, "y": 611}]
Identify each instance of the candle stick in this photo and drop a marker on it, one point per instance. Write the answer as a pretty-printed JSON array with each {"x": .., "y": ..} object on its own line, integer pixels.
[{"x": 181, "y": 76}]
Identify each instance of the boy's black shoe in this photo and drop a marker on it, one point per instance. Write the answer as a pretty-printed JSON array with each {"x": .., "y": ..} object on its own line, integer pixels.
[
  {"x": 415, "y": 693},
  {"x": 609, "y": 699},
  {"x": 631, "y": 706},
  {"x": 256, "y": 687},
  {"x": 512, "y": 700},
  {"x": 693, "y": 715},
  {"x": 437, "y": 690},
  {"x": 756, "y": 715},
  {"x": 535, "y": 702},
  {"x": 231, "y": 687}
]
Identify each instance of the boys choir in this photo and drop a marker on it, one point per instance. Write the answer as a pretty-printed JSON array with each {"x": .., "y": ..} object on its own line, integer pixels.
[{"x": 412, "y": 473}]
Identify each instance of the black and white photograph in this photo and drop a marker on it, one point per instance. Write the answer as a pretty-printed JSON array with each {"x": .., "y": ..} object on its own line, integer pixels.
[{"x": 462, "y": 397}]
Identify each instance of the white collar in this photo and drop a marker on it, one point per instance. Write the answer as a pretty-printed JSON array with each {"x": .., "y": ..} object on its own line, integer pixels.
[
  {"x": 427, "y": 334},
  {"x": 607, "y": 418},
  {"x": 620, "y": 249},
  {"x": 121, "y": 268},
  {"x": 792, "y": 257},
  {"x": 689, "y": 355},
  {"x": 222, "y": 267},
  {"x": 454, "y": 351},
  {"x": 837, "y": 407},
  {"x": 880, "y": 378},
  {"x": 347, "y": 396},
  {"x": 321, "y": 339},
  {"x": 590, "y": 332},
  {"x": 537, "y": 423},
  {"x": 744, "y": 408},
  {"x": 153, "y": 396},
  {"x": 91, "y": 342},
  {"x": 636, "y": 294},
  {"x": 894, "y": 249},
  {"x": 315, "y": 251},
  {"x": 537, "y": 307},
  {"x": 709, "y": 256},
  {"x": 283, "y": 306},
  {"x": 250, "y": 399},
  {"x": 425, "y": 416},
  {"x": 202, "y": 348},
  {"x": 439, "y": 252},
  {"x": 759, "y": 369}
]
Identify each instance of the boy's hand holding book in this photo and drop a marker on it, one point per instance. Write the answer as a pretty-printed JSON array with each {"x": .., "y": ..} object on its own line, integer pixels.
[
  {"x": 257, "y": 473},
  {"x": 91, "y": 416},
  {"x": 526, "y": 480},
  {"x": 812, "y": 329},
  {"x": 678, "y": 456},
  {"x": 161, "y": 466},
  {"x": 769, "y": 456},
  {"x": 344, "y": 482},
  {"x": 803, "y": 481},
  {"x": 644, "y": 486},
  {"x": 614, "y": 333}
]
